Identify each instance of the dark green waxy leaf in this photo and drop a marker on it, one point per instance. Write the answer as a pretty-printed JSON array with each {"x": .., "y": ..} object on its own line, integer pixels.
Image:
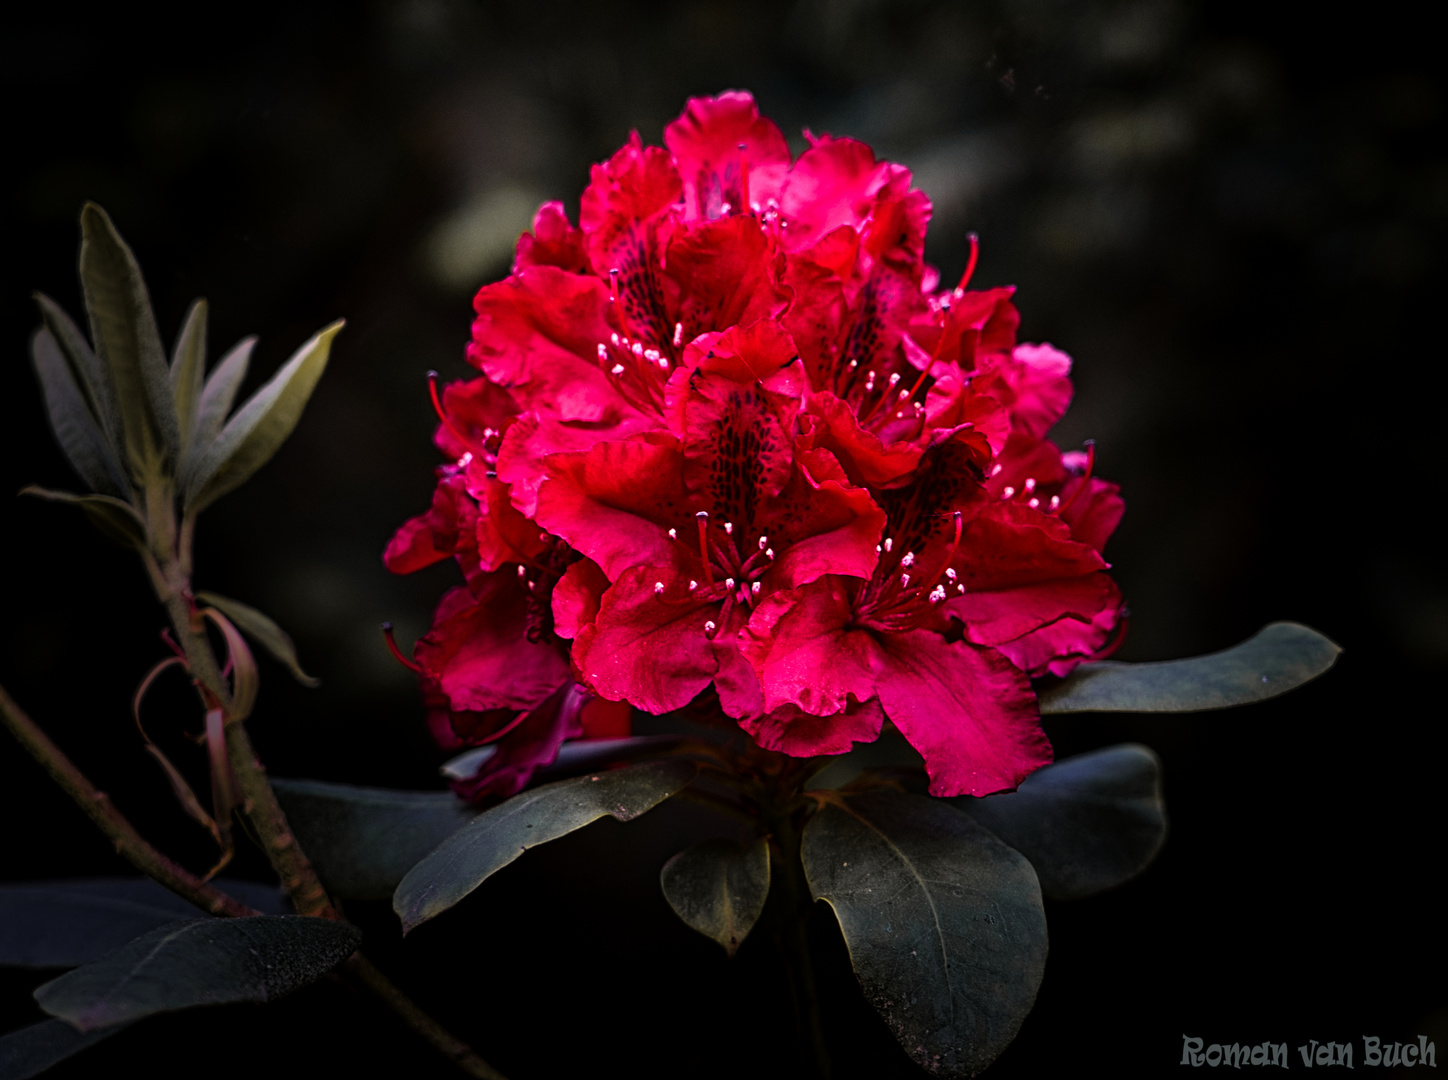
[
  {"x": 59, "y": 924},
  {"x": 188, "y": 368},
  {"x": 574, "y": 756},
  {"x": 259, "y": 428},
  {"x": 128, "y": 343},
  {"x": 1280, "y": 657},
  {"x": 116, "y": 519},
  {"x": 943, "y": 921},
  {"x": 219, "y": 393},
  {"x": 498, "y": 836},
  {"x": 31, "y": 1050},
  {"x": 718, "y": 888},
  {"x": 76, "y": 428},
  {"x": 263, "y": 631},
  {"x": 199, "y": 962},
  {"x": 1087, "y": 823},
  {"x": 91, "y": 376},
  {"x": 363, "y": 841}
]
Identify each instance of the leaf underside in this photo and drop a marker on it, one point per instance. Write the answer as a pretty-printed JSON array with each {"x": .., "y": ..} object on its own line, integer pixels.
[
  {"x": 263, "y": 630},
  {"x": 943, "y": 921},
  {"x": 498, "y": 836},
  {"x": 1280, "y": 657},
  {"x": 199, "y": 962},
  {"x": 31, "y": 1050},
  {"x": 1087, "y": 823},
  {"x": 718, "y": 887}
]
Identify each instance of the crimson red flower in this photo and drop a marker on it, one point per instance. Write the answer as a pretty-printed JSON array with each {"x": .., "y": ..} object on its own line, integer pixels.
[{"x": 731, "y": 434}]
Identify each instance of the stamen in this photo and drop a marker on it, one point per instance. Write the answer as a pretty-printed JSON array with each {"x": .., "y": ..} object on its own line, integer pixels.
[
  {"x": 763, "y": 542},
  {"x": 602, "y": 353},
  {"x": 1055, "y": 503},
  {"x": 710, "y": 627},
  {"x": 396, "y": 652},
  {"x": 693, "y": 585},
  {"x": 613, "y": 284},
  {"x": 895, "y": 378},
  {"x": 678, "y": 334},
  {"x": 996, "y": 469},
  {"x": 754, "y": 587},
  {"x": 658, "y": 588},
  {"x": 729, "y": 528},
  {"x": 970, "y": 263},
  {"x": 908, "y": 559},
  {"x": 1090, "y": 445},
  {"x": 673, "y": 534},
  {"x": 617, "y": 369},
  {"x": 937, "y": 594},
  {"x": 614, "y": 338},
  {"x": 441, "y": 415},
  {"x": 1033, "y": 503},
  {"x": 637, "y": 349},
  {"x": 889, "y": 543},
  {"x": 769, "y": 554},
  {"x": 522, "y": 570},
  {"x": 1030, "y": 484},
  {"x": 1009, "y": 492},
  {"x": 904, "y": 581},
  {"x": 702, "y": 517},
  {"x": 729, "y": 583},
  {"x": 950, "y": 573},
  {"x": 960, "y": 589},
  {"x": 743, "y": 178}
]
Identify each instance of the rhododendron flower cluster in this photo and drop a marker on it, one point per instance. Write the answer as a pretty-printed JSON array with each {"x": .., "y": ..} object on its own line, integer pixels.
[{"x": 731, "y": 432}]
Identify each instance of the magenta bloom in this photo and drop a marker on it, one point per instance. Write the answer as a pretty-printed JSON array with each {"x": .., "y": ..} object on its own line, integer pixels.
[{"x": 731, "y": 433}]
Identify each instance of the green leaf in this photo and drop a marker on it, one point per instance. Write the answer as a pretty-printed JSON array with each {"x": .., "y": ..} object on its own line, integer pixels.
[
  {"x": 116, "y": 519},
  {"x": 90, "y": 374},
  {"x": 218, "y": 395},
  {"x": 944, "y": 923},
  {"x": 718, "y": 888},
  {"x": 188, "y": 367},
  {"x": 31, "y": 1050},
  {"x": 1087, "y": 823},
  {"x": 62, "y": 924},
  {"x": 259, "y": 428},
  {"x": 1280, "y": 657},
  {"x": 199, "y": 962},
  {"x": 123, "y": 328},
  {"x": 363, "y": 841},
  {"x": 263, "y": 631},
  {"x": 498, "y": 836},
  {"x": 245, "y": 680},
  {"x": 81, "y": 437}
]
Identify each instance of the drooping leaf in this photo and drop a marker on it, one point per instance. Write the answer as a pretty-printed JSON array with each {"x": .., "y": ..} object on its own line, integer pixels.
[
  {"x": 128, "y": 343},
  {"x": 219, "y": 394},
  {"x": 245, "y": 681},
  {"x": 188, "y": 368},
  {"x": 574, "y": 756},
  {"x": 943, "y": 921},
  {"x": 199, "y": 962},
  {"x": 498, "y": 836},
  {"x": 363, "y": 841},
  {"x": 263, "y": 631},
  {"x": 77, "y": 430},
  {"x": 61, "y": 924},
  {"x": 90, "y": 375},
  {"x": 1278, "y": 658},
  {"x": 718, "y": 888},
  {"x": 31, "y": 1050},
  {"x": 116, "y": 519},
  {"x": 259, "y": 428},
  {"x": 1087, "y": 823}
]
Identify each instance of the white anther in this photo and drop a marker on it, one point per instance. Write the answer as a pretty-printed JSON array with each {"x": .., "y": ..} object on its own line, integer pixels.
[
  {"x": 877, "y": 549},
  {"x": 522, "y": 571},
  {"x": 664, "y": 363},
  {"x": 949, "y": 573},
  {"x": 917, "y": 406},
  {"x": 908, "y": 559},
  {"x": 1055, "y": 503},
  {"x": 678, "y": 334},
  {"x": 617, "y": 369},
  {"x": 889, "y": 543},
  {"x": 488, "y": 433},
  {"x": 904, "y": 581},
  {"x": 673, "y": 534},
  {"x": 769, "y": 553},
  {"x": 709, "y": 627},
  {"x": 703, "y": 514},
  {"x": 602, "y": 351},
  {"x": 754, "y": 587},
  {"x": 1030, "y": 484},
  {"x": 638, "y": 349},
  {"x": 894, "y": 378},
  {"x": 729, "y": 528},
  {"x": 904, "y": 394},
  {"x": 960, "y": 589},
  {"x": 854, "y": 364},
  {"x": 725, "y": 209},
  {"x": 937, "y": 594},
  {"x": 651, "y": 354},
  {"x": 1033, "y": 503},
  {"x": 613, "y": 338},
  {"x": 996, "y": 470},
  {"x": 693, "y": 585},
  {"x": 1008, "y": 492},
  {"x": 465, "y": 460},
  {"x": 729, "y": 583},
  {"x": 763, "y": 542},
  {"x": 658, "y": 587}
]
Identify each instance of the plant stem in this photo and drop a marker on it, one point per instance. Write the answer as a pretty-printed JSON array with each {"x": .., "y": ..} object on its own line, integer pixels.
[
  {"x": 99, "y": 808},
  {"x": 359, "y": 970},
  {"x": 794, "y": 935}
]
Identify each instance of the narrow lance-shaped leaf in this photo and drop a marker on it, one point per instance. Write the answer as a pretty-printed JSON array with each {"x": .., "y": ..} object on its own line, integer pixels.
[
  {"x": 259, "y": 428},
  {"x": 80, "y": 435},
  {"x": 199, "y": 962},
  {"x": 718, "y": 888},
  {"x": 123, "y": 328},
  {"x": 363, "y": 841},
  {"x": 263, "y": 631},
  {"x": 116, "y": 519},
  {"x": 188, "y": 368},
  {"x": 31, "y": 1050},
  {"x": 1278, "y": 658},
  {"x": 495, "y": 838},
  {"x": 218, "y": 395},
  {"x": 1087, "y": 823},
  {"x": 90, "y": 374},
  {"x": 944, "y": 923},
  {"x": 245, "y": 681}
]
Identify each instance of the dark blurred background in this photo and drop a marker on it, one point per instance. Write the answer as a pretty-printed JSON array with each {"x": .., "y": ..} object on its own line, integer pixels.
[{"x": 1232, "y": 215}]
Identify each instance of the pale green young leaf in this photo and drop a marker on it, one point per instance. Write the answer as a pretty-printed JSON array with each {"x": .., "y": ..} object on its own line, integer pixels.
[
  {"x": 259, "y": 428},
  {"x": 218, "y": 395},
  {"x": 90, "y": 374},
  {"x": 81, "y": 437},
  {"x": 113, "y": 517},
  {"x": 188, "y": 369},
  {"x": 261, "y": 629}
]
